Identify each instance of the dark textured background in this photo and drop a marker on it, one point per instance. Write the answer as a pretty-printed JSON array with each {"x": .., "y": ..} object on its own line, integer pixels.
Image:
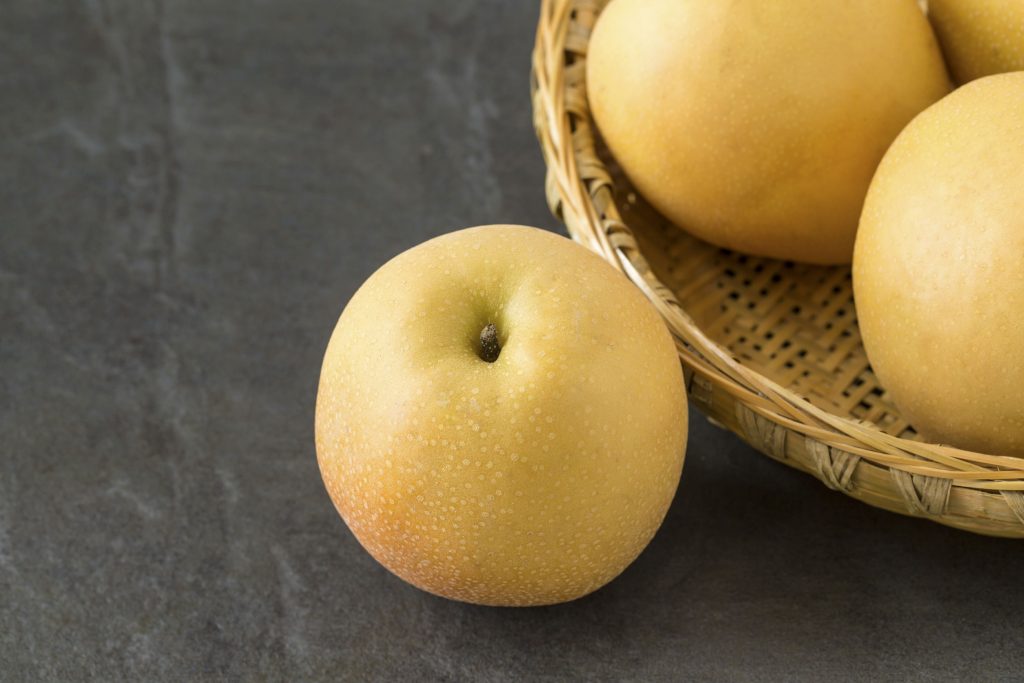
[{"x": 190, "y": 191}]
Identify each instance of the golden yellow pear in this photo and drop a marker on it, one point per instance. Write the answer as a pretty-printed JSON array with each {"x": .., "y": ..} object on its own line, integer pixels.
[
  {"x": 980, "y": 37},
  {"x": 757, "y": 125},
  {"x": 938, "y": 271},
  {"x": 521, "y": 464}
]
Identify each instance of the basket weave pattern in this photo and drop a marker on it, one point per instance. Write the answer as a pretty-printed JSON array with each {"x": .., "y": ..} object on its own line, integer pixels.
[{"x": 770, "y": 350}]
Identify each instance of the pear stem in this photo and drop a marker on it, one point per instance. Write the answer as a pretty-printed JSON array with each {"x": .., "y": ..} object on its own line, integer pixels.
[{"x": 490, "y": 347}]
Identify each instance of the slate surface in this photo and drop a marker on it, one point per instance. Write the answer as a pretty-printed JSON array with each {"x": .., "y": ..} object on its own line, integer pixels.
[{"x": 190, "y": 190}]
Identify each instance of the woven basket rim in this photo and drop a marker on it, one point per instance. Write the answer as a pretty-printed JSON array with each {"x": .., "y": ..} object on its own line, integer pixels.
[{"x": 583, "y": 200}]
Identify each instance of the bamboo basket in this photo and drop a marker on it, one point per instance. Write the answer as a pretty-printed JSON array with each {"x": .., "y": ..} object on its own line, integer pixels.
[{"x": 770, "y": 350}]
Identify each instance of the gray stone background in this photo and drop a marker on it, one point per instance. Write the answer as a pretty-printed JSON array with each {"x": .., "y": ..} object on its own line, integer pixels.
[{"x": 190, "y": 190}]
